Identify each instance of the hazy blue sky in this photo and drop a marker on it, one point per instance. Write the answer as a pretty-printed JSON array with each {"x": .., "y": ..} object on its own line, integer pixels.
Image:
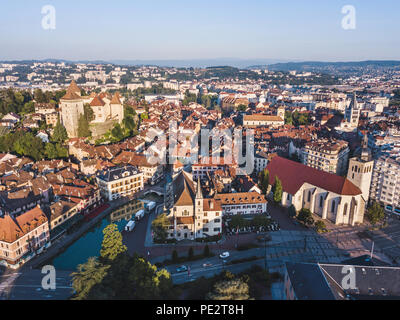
[{"x": 185, "y": 29}]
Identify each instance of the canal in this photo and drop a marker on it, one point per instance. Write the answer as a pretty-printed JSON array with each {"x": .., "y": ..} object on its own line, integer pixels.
[{"x": 89, "y": 244}]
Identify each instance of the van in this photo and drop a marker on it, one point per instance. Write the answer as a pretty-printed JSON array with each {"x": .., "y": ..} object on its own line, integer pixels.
[
  {"x": 130, "y": 226},
  {"x": 139, "y": 215}
]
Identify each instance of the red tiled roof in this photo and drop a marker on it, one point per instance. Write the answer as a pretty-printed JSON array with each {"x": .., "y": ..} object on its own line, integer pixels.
[
  {"x": 97, "y": 102},
  {"x": 293, "y": 175}
]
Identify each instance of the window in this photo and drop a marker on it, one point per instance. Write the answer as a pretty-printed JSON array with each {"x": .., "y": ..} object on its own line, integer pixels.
[
  {"x": 333, "y": 206},
  {"x": 309, "y": 196},
  {"x": 321, "y": 201}
]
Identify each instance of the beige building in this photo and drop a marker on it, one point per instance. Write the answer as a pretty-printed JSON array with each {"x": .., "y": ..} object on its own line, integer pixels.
[
  {"x": 22, "y": 237},
  {"x": 192, "y": 216},
  {"x": 261, "y": 120},
  {"x": 326, "y": 155},
  {"x": 118, "y": 182},
  {"x": 327, "y": 195}
]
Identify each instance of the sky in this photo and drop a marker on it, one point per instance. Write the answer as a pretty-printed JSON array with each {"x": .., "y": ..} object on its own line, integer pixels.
[{"x": 292, "y": 30}]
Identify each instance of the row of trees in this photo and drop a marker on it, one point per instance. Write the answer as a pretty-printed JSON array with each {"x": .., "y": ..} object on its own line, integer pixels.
[
  {"x": 27, "y": 144},
  {"x": 116, "y": 275},
  {"x": 277, "y": 189}
]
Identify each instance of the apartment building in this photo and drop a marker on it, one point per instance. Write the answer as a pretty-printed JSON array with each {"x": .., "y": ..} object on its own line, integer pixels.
[
  {"x": 120, "y": 182},
  {"x": 326, "y": 155},
  {"x": 385, "y": 186},
  {"x": 22, "y": 237},
  {"x": 242, "y": 203}
]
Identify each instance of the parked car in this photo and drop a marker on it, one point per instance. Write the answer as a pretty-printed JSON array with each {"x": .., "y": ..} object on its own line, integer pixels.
[
  {"x": 224, "y": 255},
  {"x": 181, "y": 269}
]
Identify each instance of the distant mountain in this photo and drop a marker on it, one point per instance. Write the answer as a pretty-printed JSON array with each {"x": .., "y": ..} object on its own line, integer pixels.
[
  {"x": 191, "y": 63},
  {"x": 333, "y": 66}
]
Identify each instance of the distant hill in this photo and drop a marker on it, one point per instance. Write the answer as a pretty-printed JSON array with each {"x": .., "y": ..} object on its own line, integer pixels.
[{"x": 318, "y": 66}]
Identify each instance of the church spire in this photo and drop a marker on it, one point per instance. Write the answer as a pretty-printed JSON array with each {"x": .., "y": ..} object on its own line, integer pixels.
[{"x": 199, "y": 193}]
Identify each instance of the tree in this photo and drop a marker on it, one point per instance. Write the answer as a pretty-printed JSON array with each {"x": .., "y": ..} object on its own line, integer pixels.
[
  {"x": 60, "y": 133},
  {"x": 112, "y": 245},
  {"x": 159, "y": 227},
  {"x": 278, "y": 190},
  {"x": 51, "y": 151},
  {"x": 375, "y": 213},
  {"x": 87, "y": 281},
  {"x": 190, "y": 253},
  {"x": 237, "y": 222},
  {"x": 206, "y": 251},
  {"x": 305, "y": 216},
  {"x": 235, "y": 289},
  {"x": 88, "y": 111},
  {"x": 83, "y": 127},
  {"x": 264, "y": 181},
  {"x": 147, "y": 282}
]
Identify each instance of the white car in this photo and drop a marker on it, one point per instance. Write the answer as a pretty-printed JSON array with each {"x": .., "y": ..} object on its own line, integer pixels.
[{"x": 224, "y": 255}]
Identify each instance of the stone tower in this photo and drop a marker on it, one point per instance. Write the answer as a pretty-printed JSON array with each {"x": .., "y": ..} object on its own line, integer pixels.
[
  {"x": 281, "y": 112},
  {"x": 117, "y": 109},
  {"x": 71, "y": 106},
  {"x": 360, "y": 169}
]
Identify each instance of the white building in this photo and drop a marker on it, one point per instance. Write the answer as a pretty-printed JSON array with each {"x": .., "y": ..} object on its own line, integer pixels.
[{"x": 118, "y": 182}]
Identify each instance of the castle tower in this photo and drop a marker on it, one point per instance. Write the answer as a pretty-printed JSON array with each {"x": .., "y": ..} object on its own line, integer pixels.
[
  {"x": 360, "y": 169},
  {"x": 117, "y": 109},
  {"x": 281, "y": 112},
  {"x": 71, "y": 105}
]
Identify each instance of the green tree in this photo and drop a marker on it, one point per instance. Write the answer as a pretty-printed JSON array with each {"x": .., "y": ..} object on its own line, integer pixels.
[
  {"x": 305, "y": 216},
  {"x": 147, "y": 282},
  {"x": 83, "y": 127},
  {"x": 159, "y": 227},
  {"x": 237, "y": 221},
  {"x": 112, "y": 245},
  {"x": 60, "y": 133},
  {"x": 278, "y": 190},
  {"x": 51, "y": 151},
  {"x": 88, "y": 280},
  {"x": 88, "y": 111},
  {"x": 235, "y": 289},
  {"x": 375, "y": 213},
  {"x": 264, "y": 181}
]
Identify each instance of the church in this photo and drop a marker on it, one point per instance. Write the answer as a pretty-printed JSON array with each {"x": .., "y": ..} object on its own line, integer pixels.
[
  {"x": 106, "y": 107},
  {"x": 327, "y": 195}
]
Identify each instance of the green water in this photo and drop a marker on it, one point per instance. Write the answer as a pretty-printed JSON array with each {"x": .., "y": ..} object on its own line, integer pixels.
[{"x": 89, "y": 244}]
